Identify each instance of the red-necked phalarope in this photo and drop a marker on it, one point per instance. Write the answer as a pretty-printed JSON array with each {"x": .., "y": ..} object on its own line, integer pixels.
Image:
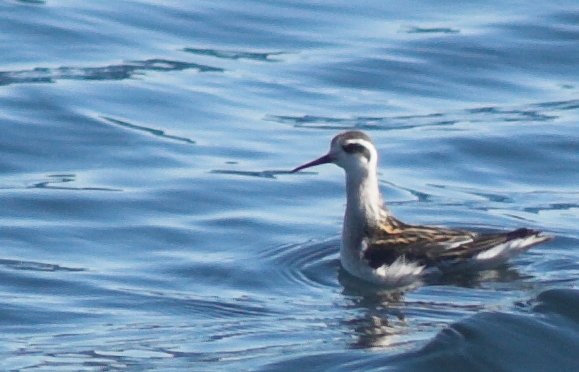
[{"x": 381, "y": 249}]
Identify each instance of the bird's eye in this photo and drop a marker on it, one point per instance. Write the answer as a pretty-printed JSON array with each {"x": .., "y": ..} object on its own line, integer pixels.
[{"x": 352, "y": 148}]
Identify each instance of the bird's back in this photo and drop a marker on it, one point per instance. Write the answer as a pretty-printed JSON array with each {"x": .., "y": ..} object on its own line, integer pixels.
[{"x": 444, "y": 248}]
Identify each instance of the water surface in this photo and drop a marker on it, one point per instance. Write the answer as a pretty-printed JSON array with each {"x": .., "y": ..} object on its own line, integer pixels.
[{"x": 148, "y": 219}]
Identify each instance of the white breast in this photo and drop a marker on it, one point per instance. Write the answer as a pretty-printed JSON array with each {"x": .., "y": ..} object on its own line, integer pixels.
[{"x": 399, "y": 274}]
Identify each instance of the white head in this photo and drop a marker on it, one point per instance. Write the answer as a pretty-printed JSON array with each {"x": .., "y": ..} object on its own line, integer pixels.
[{"x": 353, "y": 151}]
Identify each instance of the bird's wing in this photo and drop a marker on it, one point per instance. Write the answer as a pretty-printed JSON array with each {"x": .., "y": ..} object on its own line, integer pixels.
[{"x": 432, "y": 245}]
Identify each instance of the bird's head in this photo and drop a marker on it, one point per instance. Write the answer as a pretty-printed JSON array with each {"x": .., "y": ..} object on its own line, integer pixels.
[{"x": 353, "y": 151}]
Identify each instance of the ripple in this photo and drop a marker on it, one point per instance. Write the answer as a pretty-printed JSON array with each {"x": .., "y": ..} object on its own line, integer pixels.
[
  {"x": 476, "y": 341},
  {"x": 210, "y": 307},
  {"x": 36, "y": 266},
  {"x": 533, "y": 202},
  {"x": 112, "y": 72},
  {"x": 361, "y": 122},
  {"x": 559, "y": 105},
  {"x": 61, "y": 179},
  {"x": 32, "y": 1},
  {"x": 259, "y": 174},
  {"x": 534, "y": 112},
  {"x": 429, "y": 30},
  {"x": 469, "y": 344},
  {"x": 54, "y": 182},
  {"x": 140, "y": 128},
  {"x": 309, "y": 265},
  {"x": 235, "y": 54}
]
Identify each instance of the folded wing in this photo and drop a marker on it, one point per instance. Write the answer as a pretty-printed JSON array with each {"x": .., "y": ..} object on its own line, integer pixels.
[{"x": 432, "y": 246}]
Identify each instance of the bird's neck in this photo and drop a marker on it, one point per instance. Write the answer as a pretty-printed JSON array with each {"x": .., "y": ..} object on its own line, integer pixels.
[{"x": 364, "y": 208}]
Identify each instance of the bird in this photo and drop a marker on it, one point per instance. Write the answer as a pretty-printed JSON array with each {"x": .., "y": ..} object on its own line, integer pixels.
[{"x": 379, "y": 248}]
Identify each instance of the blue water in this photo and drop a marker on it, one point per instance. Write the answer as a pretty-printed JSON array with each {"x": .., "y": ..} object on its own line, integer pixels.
[{"x": 146, "y": 221}]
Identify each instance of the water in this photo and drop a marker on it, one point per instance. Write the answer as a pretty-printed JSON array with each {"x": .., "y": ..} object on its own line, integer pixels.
[{"x": 147, "y": 221}]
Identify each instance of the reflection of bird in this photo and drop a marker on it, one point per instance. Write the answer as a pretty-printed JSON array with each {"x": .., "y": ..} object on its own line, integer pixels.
[{"x": 379, "y": 248}]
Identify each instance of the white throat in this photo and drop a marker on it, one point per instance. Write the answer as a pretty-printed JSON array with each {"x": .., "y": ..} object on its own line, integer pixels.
[
  {"x": 364, "y": 207},
  {"x": 364, "y": 202}
]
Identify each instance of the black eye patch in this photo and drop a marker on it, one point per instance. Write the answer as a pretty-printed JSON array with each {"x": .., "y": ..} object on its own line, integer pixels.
[{"x": 352, "y": 148}]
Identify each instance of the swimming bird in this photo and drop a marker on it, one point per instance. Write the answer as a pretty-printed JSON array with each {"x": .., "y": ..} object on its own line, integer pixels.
[{"x": 379, "y": 248}]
